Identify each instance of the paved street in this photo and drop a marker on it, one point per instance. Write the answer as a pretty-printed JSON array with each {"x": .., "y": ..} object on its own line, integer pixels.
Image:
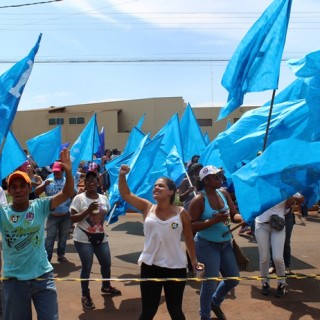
[{"x": 247, "y": 302}]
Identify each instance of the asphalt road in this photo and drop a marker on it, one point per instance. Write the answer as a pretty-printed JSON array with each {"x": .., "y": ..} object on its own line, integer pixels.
[{"x": 246, "y": 302}]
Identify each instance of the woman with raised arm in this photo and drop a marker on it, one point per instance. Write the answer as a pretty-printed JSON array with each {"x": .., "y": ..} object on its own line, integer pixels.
[{"x": 163, "y": 255}]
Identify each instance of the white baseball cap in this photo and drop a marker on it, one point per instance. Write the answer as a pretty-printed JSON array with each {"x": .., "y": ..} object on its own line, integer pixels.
[{"x": 205, "y": 171}]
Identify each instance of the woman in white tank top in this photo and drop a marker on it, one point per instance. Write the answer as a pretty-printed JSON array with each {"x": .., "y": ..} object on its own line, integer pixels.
[{"x": 163, "y": 255}]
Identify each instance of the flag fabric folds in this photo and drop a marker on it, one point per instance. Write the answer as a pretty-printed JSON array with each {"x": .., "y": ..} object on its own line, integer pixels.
[
  {"x": 192, "y": 139},
  {"x": 45, "y": 148},
  {"x": 86, "y": 144},
  {"x": 277, "y": 174},
  {"x": 242, "y": 141},
  {"x": 135, "y": 137},
  {"x": 12, "y": 84},
  {"x": 171, "y": 135},
  {"x": 12, "y": 156},
  {"x": 255, "y": 65}
]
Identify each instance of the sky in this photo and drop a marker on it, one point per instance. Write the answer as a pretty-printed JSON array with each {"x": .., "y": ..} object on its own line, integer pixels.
[{"x": 108, "y": 50}]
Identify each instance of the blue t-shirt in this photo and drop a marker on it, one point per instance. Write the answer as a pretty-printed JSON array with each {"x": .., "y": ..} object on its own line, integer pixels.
[
  {"x": 214, "y": 232},
  {"x": 55, "y": 187},
  {"x": 24, "y": 253}
]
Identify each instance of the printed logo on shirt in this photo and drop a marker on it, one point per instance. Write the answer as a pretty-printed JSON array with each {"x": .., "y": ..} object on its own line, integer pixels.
[
  {"x": 29, "y": 216},
  {"x": 14, "y": 218},
  {"x": 174, "y": 225}
]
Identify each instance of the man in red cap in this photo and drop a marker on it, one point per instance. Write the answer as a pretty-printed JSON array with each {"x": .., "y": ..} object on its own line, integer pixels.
[
  {"x": 24, "y": 255},
  {"x": 59, "y": 220}
]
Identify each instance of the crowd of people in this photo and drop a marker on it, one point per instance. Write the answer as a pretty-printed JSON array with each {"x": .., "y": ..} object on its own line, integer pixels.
[{"x": 45, "y": 208}]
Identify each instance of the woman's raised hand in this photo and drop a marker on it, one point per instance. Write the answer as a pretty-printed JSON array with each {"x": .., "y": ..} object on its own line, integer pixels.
[{"x": 124, "y": 169}]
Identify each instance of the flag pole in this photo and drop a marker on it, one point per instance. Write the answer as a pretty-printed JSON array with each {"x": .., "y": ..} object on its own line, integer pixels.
[
  {"x": 269, "y": 120},
  {"x": 111, "y": 213},
  {"x": 2, "y": 144},
  {"x": 191, "y": 185}
]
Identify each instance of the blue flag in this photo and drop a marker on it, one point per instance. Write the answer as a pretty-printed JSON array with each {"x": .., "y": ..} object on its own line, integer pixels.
[
  {"x": 206, "y": 138},
  {"x": 192, "y": 139},
  {"x": 12, "y": 84},
  {"x": 100, "y": 152},
  {"x": 86, "y": 145},
  {"x": 45, "y": 148},
  {"x": 308, "y": 68},
  {"x": 171, "y": 135},
  {"x": 140, "y": 163},
  {"x": 276, "y": 175},
  {"x": 175, "y": 167},
  {"x": 255, "y": 65},
  {"x": 12, "y": 156},
  {"x": 294, "y": 91},
  {"x": 140, "y": 122},
  {"x": 135, "y": 137},
  {"x": 241, "y": 142}
]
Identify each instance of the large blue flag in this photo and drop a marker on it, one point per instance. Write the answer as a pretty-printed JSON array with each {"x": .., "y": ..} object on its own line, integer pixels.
[
  {"x": 255, "y": 65},
  {"x": 277, "y": 174},
  {"x": 192, "y": 139},
  {"x": 244, "y": 139},
  {"x": 45, "y": 148},
  {"x": 12, "y": 84},
  {"x": 86, "y": 145},
  {"x": 12, "y": 156}
]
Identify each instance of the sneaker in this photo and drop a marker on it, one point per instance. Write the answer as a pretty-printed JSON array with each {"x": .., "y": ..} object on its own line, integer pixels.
[
  {"x": 62, "y": 259},
  {"x": 281, "y": 290},
  {"x": 265, "y": 289},
  {"x": 87, "y": 302},
  {"x": 218, "y": 312},
  {"x": 272, "y": 270},
  {"x": 111, "y": 290},
  {"x": 289, "y": 272}
]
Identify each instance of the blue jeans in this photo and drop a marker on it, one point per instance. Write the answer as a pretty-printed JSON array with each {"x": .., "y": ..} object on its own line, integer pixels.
[
  {"x": 217, "y": 257},
  {"x": 18, "y": 294},
  {"x": 62, "y": 225},
  {"x": 86, "y": 252}
]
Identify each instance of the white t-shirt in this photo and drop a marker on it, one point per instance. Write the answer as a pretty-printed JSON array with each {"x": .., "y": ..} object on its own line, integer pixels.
[
  {"x": 3, "y": 198},
  {"x": 278, "y": 209},
  {"x": 91, "y": 223}
]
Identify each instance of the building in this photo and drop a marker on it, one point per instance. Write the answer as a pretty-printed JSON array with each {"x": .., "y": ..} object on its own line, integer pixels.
[{"x": 117, "y": 117}]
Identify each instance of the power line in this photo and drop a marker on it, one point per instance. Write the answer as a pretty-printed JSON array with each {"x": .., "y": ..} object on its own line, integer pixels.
[
  {"x": 28, "y": 4},
  {"x": 138, "y": 60}
]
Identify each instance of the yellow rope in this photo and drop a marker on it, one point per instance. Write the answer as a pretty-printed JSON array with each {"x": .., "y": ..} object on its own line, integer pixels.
[{"x": 255, "y": 278}]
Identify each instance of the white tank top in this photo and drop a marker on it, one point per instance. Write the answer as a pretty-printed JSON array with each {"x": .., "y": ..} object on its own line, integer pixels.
[{"x": 162, "y": 245}]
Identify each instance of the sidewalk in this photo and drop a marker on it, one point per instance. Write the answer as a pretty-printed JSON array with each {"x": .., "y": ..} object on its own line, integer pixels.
[{"x": 126, "y": 242}]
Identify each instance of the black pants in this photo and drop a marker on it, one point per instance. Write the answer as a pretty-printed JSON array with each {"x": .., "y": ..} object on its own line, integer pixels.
[{"x": 151, "y": 291}]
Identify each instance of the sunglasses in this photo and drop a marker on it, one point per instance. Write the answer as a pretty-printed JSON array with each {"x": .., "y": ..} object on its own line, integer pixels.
[{"x": 218, "y": 176}]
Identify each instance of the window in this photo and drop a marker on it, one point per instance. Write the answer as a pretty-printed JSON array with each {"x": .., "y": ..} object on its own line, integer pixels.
[
  {"x": 55, "y": 121},
  {"x": 76, "y": 120},
  {"x": 205, "y": 122}
]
